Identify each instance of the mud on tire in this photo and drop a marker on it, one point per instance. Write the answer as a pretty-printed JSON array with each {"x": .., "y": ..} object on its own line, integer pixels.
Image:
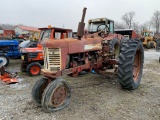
[
  {"x": 130, "y": 66},
  {"x": 56, "y": 96}
]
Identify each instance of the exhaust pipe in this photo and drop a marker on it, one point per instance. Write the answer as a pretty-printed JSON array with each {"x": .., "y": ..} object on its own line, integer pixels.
[{"x": 81, "y": 25}]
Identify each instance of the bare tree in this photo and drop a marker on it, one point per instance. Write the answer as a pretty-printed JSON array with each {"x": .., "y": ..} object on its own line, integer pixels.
[
  {"x": 149, "y": 23},
  {"x": 118, "y": 25},
  {"x": 128, "y": 18},
  {"x": 145, "y": 26},
  {"x": 156, "y": 21},
  {"x": 7, "y": 26},
  {"x": 136, "y": 27}
]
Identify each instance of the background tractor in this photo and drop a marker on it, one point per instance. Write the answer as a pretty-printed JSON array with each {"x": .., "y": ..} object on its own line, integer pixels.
[
  {"x": 32, "y": 57},
  {"x": 148, "y": 39},
  {"x": 98, "y": 49},
  {"x": 9, "y": 49},
  {"x": 157, "y": 40}
]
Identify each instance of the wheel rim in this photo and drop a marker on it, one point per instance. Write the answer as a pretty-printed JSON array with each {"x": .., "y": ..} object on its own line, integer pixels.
[
  {"x": 4, "y": 60},
  {"x": 59, "y": 96},
  {"x": 35, "y": 70},
  {"x": 116, "y": 50},
  {"x": 137, "y": 65}
]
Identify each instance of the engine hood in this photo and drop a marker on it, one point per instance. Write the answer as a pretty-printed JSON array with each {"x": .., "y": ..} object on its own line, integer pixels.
[
  {"x": 75, "y": 45},
  {"x": 27, "y": 50},
  {"x": 58, "y": 43},
  {"x": 8, "y": 42}
]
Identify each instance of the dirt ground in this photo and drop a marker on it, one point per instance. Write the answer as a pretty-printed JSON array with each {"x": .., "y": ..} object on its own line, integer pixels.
[{"x": 94, "y": 97}]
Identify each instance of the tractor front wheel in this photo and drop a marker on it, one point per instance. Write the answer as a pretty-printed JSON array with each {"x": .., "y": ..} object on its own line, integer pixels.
[
  {"x": 130, "y": 66},
  {"x": 56, "y": 96},
  {"x": 34, "y": 69},
  {"x": 5, "y": 60},
  {"x": 38, "y": 90}
]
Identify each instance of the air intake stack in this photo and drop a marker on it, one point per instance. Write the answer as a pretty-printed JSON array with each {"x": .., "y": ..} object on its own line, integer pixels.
[{"x": 81, "y": 25}]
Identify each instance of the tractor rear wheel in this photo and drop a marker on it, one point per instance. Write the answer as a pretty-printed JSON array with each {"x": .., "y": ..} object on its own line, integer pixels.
[
  {"x": 34, "y": 69},
  {"x": 149, "y": 44},
  {"x": 38, "y": 90},
  {"x": 152, "y": 44},
  {"x": 130, "y": 66},
  {"x": 56, "y": 96},
  {"x": 5, "y": 60}
]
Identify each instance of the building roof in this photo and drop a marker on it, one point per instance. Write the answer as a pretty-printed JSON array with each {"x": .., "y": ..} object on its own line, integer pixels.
[
  {"x": 123, "y": 29},
  {"x": 28, "y": 28},
  {"x": 56, "y": 28}
]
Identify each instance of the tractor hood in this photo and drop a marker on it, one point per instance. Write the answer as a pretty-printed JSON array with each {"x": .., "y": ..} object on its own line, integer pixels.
[
  {"x": 61, "y": 43},
  {"x": 8, "y": 42},
  {"x": 75, "y": 45},
  {"x": 28, "y": 50}
]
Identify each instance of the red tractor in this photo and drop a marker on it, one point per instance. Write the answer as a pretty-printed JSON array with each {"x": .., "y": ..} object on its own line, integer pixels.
[
  {"x": 97, "y": 49},
  {"x": 32, "y": 58}
]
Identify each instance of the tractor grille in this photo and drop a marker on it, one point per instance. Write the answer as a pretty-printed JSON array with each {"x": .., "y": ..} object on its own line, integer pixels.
[
  {"x": 32, "y": 54},
  {"x": 52, "y": 59}
]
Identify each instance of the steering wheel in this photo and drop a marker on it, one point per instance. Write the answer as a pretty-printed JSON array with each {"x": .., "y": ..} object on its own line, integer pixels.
[{"x": 103, "y": 30}]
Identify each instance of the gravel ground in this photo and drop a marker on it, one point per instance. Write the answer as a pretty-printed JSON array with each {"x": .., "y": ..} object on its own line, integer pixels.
[{"x": 94, "y": 97}]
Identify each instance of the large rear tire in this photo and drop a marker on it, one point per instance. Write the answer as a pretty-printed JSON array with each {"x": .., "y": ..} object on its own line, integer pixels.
[
  {"x": 130, "y": 66},
  {"x": 5, "y": 60},
  {"x": 38, "y": 90},
  {"x": 152, "y": 44},
  {"x": 34, "y": 69},
  {"x": 56, "y": 96},
  {"x": 149, "y": 44}
]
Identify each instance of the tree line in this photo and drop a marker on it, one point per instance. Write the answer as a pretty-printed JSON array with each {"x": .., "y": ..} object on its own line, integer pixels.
[
  {"x": 8, "y": 26},
  {"x": 129, "y": 23}
]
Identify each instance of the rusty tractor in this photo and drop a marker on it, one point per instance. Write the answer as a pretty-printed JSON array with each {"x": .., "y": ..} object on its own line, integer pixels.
[
  {"x": 32, "y": 58},
  {"x": 98, "y": 49}
]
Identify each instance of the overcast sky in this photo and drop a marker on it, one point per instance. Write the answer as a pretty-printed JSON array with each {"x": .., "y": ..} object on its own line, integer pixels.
[{"x": 41, "y": 13}]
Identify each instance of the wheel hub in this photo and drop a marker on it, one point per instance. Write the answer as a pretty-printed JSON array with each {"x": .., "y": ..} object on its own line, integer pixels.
[
  {"x": 4, "y": 60},
  {"x": 35, "y": 70},
  {"x": 59, "y": 96}
]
